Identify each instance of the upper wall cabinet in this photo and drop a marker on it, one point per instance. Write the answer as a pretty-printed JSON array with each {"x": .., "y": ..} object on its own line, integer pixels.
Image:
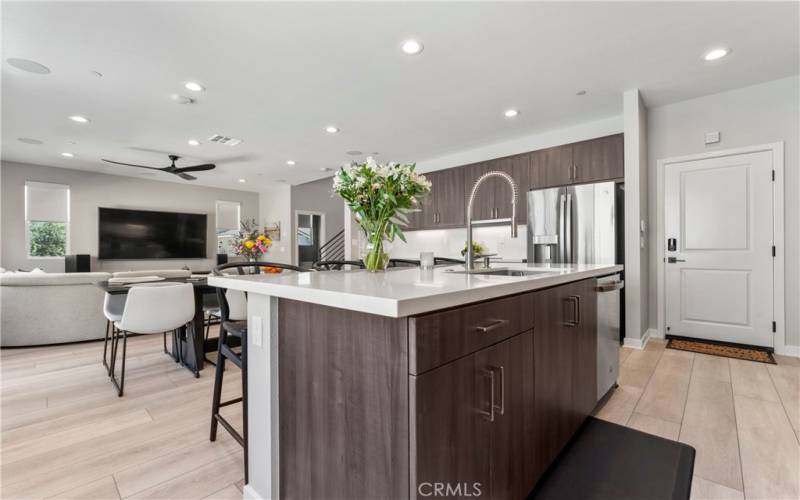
[
  {"x": 493, "y": 200},
  {"x": 551, "y": 167},
  {"x": 588, "y": 161},
  {"x": 443, "y": 208},
  {"x": 598, "y": 159}
]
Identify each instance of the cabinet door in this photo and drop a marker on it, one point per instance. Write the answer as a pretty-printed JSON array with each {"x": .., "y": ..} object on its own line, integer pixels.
[
  {"x": 584, "y": 376},
  {"x": 553, "y": 359},
  {"x": 599, "y": 159},
  {"x": 449, "y": 198},
  {"x": 483, "y": 208},
  {"x": 512, "y": 443},
  {"x": 450, "y": 438},
  {"x": 518, "y": 167},
  {"x": 551, "y": 167}
]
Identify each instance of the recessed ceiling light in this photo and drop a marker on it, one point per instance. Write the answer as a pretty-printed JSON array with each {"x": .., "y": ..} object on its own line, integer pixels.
[
  {"x": 67, "y": 155},
  {"x": 412, "y": 47},
  {"x": 28, "y": 140},
  {"x": 291, "y": 163},
  {"x": 714, "y": 54},
  {"x": 79, "y": 119},
  {"x": 325, "y": 169},
  {"x": 28, "y": 65},
  {"x": 182, "y": 99},
  {"x": 242, "y": 181},
  {"x": 331, "y": 129},
  {"x": 580, "y": 92},
  {"x": 194, "y": 142},
  {"x": 511, "y": 113},
  {"x": 194, "y": 86}
]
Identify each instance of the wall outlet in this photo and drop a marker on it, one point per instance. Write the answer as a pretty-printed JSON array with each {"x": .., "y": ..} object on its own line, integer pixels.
[
  {"x": 255, "y": 333},
  {"x": 712, "y": 137}
]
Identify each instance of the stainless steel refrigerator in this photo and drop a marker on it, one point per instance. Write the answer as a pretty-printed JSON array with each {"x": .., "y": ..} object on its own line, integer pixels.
[{"x": 580, "y": 224}]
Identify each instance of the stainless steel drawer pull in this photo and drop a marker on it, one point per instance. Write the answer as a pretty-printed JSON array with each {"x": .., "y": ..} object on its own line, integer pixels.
[
  {"x": 494, "y": 325},
  {"x": 489, "y": 415},
  {"x": 502, "y": 407}
]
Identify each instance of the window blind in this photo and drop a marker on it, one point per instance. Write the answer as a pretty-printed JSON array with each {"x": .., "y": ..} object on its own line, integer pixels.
[{"x": 46, "y": 202}]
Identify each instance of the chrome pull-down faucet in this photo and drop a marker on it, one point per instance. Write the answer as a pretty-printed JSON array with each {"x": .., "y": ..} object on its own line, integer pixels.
[{"x": 469, "y": 264}]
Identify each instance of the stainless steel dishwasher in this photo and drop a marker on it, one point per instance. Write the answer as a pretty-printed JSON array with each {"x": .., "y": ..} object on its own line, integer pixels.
[{"x": 608, "y": 329}]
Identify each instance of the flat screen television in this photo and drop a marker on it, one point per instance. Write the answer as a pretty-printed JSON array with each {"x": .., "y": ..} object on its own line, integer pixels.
[{"x": 144, "y": 234}]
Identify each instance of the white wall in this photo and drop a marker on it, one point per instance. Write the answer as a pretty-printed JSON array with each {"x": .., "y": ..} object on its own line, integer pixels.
[
  {"x": 275, "y": 205},
  {"x": 636, "y": 265},
  {"x": 760, "y": 114},
  {"x": 88, "y": 191}
]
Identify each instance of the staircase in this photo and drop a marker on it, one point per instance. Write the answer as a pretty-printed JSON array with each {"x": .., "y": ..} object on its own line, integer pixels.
[{"x": 333, "y": 249}]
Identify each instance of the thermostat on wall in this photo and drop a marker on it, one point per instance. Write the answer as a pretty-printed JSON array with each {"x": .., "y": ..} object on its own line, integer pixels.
[{"x": 712, "y": 137}]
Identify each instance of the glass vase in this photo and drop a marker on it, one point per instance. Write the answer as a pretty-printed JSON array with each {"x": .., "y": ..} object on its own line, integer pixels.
[{"x": 374, "y": 250}]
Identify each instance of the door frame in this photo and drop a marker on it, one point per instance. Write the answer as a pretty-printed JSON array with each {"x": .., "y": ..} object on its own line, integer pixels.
[
  {"x": 322, "y": 236},
  {"x": 778, "y": 270}
]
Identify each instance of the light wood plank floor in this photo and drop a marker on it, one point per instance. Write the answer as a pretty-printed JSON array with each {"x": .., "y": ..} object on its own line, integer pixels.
[
  {"x": 743, "y": 418},
  {"x": 66, "y": 434}
]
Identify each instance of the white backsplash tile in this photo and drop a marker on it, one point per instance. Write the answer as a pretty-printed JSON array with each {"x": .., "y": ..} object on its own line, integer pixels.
[{"x": 450, "y": 242}]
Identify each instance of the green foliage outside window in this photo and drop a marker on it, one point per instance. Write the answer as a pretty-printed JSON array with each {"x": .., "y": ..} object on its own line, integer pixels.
[{"x": 48, "y": 239}]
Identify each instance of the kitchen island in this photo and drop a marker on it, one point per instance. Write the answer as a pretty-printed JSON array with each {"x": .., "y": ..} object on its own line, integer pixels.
[{"x": 409, "y": 383}]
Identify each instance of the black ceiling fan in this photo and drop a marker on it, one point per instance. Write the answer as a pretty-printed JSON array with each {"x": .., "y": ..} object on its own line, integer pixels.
[{"x": 172, "y": 169}]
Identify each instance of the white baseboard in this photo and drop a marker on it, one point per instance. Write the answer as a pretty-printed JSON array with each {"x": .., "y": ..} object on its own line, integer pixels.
[
  {"x": 654, "y": 334},
  {"x": 250, "y": 494},
  {"x": 639, "y": 343},
  {"x": 788, "y": 350}
]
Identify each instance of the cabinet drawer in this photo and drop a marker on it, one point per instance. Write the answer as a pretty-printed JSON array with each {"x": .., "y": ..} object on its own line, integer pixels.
[{"x": 440, "y": 337}]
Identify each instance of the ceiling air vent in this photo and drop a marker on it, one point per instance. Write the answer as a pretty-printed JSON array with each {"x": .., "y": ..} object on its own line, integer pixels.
[{"x": 221, "y": 139}]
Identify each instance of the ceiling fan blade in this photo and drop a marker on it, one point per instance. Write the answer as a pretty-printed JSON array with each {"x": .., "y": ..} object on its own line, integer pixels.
[
  {"x": 185, "y": 177},
  {"x": 196, "y": 168},
  {"x": 131, "y": 165}
]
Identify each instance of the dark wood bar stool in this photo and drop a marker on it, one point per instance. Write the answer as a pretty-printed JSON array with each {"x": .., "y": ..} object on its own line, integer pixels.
[{"x": 235, "y": 325}]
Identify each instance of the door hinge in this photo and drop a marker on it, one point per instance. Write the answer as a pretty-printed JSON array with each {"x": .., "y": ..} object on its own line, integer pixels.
[
  {"x": 774, "y": 327},
  {"x": 773, "y": 175},
  {"x": 773, "y": 250}
]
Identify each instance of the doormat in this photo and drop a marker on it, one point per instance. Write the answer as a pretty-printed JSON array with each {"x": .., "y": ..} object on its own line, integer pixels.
[{"x": 728, "y": 351}]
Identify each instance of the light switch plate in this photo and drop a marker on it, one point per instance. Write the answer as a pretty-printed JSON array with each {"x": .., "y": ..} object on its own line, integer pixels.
[
  {"x": 712, "y": 137},
  {"x": 255, "y": 332}
]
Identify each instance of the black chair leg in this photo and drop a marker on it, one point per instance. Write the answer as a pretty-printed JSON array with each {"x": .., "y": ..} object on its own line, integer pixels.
[
  {"x": 113, "y": 354},
  {"x": 218, "y": 373},
  {"x": 120, "y": 385},
  {"x": 105, "y": 345},
  {"x": 190, "y": 333}
]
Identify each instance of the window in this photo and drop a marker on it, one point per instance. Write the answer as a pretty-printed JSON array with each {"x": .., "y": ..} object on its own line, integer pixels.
[
  {"x": 46, "y": 219},
  {"x": 228, "y": 225}
]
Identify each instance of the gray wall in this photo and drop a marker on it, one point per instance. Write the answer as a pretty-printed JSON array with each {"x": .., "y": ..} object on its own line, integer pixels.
[
  {"x": 88, "y": 191},
  {"x": 760, "y": 114},
  {"x": 318, "y": 196}
]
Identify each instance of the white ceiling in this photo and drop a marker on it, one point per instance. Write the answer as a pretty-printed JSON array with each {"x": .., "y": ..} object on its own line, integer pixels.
[{"x": 277, "y": 73}]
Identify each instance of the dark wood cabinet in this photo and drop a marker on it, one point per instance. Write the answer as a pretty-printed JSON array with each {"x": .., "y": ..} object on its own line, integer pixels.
[
  {"x": 598, "y": 159},
  {"x": 551, "y": 167},
  {"x": 471, "y": 420},
  {"x": 443, "y": 208},
  {"x": 494, "y": 197},
  {"x": 581, "y": 162},
  {"x": 565, "y": 365}
]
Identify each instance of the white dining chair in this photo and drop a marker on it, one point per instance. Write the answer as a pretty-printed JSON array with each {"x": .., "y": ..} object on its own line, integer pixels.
[
  {"x": 150, "y": 310},
  {"x": 113, "y": 305}
]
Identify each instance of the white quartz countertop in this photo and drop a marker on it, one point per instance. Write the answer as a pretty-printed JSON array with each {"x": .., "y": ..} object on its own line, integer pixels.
[{"x": 403, "y": 292}]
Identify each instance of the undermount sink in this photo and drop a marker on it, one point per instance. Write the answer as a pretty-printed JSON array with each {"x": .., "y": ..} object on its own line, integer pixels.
[{"x": 503, "y": 272}]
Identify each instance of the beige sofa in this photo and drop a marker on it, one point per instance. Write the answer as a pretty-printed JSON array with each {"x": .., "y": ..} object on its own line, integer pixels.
[
  {"x": 55, "y": 308},
  {"x": 50, "y": 308}
]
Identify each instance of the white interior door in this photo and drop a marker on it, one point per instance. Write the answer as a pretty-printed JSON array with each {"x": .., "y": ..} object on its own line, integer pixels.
[{"x": 719, "y": 237}]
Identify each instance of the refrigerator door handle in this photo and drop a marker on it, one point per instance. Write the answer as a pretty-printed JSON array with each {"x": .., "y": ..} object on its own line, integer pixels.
[
  {"x": 568, "y": 229},
  {"x": 562, "y": 199}
]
